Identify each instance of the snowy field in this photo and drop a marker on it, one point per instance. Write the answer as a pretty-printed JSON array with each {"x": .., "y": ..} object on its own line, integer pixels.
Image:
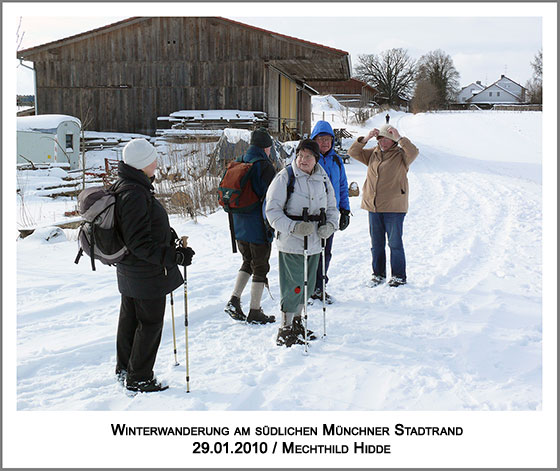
[{"x": 465, "y": 334}]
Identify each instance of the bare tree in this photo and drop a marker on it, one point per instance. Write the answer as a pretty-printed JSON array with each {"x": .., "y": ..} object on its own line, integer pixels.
[
  {"x": 19, "y": 34},
  {"x": 426, "y": 97},
  {"x": 436, "y": 67},
  {"x": 534, "y": 86},
  {"x": 392, "y": 72}
]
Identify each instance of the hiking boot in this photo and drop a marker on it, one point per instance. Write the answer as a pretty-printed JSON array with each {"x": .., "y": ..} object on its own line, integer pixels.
[
  {"x": 233, "y": 308},
  {"x": 151, "y": 385},
  {"x": 396, "y": 281},
  {"x": 299, "y": 330},
  {"x": 287, "y": 337},
  {"x": 376, "y": 280},
  {"x": 318, "y": 294},
  {"x": 257, "y": 316}
]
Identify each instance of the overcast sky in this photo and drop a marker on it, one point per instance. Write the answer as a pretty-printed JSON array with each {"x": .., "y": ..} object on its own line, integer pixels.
[{"x": 482, "y": 48}]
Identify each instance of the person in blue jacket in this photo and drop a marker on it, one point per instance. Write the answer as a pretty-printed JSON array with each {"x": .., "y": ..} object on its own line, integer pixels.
[
  {"x": 253, "y": 239},
  {"x": 332, "y": 163}
]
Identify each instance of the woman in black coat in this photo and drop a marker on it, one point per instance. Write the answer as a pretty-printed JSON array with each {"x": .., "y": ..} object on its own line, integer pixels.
[{"x": 148, "y": 272}]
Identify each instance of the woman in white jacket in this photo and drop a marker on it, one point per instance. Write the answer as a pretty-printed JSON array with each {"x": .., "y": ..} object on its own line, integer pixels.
[{"x": 313, "y": 190}]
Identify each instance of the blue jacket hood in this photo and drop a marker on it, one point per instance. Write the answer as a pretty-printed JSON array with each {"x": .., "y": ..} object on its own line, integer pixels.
[{"x": 322, "y": 127}]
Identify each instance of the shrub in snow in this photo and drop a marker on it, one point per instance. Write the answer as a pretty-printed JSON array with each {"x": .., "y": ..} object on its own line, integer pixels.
[{"x": 48, "y": 235}]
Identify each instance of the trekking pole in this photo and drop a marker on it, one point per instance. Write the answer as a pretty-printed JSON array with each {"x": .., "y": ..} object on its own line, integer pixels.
[
  {"x": 232, "y": 233},
  {"x": 173, "y": 325},
  {"x": 305, "y": 219},
  {"x": 322, "y": 222},
  {"x": 184, "y": 244}
]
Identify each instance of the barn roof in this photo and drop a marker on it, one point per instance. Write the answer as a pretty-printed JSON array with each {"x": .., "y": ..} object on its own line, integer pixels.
[{"x": 332, "y": 64}]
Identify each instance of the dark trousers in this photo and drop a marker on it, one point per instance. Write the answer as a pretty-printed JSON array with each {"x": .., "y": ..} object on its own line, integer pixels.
[
  {"x": 255, "y": 260},
  {"x": 328, "y": 256},
  {"x": 139, "y": 335},
  {"x": 390, "y": 225}
]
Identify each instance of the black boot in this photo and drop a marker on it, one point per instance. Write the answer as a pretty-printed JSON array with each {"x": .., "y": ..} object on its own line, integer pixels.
[
  {"x": 299, "y": 330},
  {"x": 376, "y": 280},
  {"x": 233, "y": 308},
  {"x": 287, "y": 337},
  {"x": 257, "y": 316},
  {"x": 151, "y": 385}
]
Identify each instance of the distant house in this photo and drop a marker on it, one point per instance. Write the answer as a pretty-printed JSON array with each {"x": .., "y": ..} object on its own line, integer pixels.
[
  {"x": 469, "y": 91},
  {"x": 128, "y": 73},
  {"x": 352, "y": 92},
  {"x": 49, "y": 139},
  {"x": 503, "y": 91}
]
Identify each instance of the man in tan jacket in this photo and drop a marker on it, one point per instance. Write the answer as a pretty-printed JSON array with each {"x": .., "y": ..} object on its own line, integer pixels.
[{"x": 385, "y": 197}]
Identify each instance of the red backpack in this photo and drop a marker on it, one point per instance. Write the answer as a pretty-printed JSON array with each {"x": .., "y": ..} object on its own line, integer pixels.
[{"x": 235, "y": 192}]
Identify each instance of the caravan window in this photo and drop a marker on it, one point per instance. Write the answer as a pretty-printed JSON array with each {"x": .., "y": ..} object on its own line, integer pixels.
[{"x": 69, "y": 143}]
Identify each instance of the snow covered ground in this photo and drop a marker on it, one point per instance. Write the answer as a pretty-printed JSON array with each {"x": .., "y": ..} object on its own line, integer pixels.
[{"x": 464, "y": 334}]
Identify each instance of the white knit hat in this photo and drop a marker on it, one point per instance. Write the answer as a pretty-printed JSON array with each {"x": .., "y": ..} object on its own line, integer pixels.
[
  {"x": 139, "y": 153},
  {"x": 383, "y": 132}
]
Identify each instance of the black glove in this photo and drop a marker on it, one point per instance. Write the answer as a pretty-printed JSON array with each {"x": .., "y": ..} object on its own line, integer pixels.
[
  {"x": 183, "y": 256},
  {"x": 344, "y": 219},
  {"x": 174, "y": 237}
]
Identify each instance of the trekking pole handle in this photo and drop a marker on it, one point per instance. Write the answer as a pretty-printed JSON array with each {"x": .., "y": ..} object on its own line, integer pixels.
[
  {"x": 305, "y": 214},
  {"x": 322, "y": 217},
  {"x": 305, "y": 218}
]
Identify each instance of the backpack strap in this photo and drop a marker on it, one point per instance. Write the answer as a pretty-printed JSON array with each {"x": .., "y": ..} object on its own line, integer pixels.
[
  {"x": 336, "y": 158},
  {"x": 291, "y": 184},
  {"x": 118, "y": 189}
]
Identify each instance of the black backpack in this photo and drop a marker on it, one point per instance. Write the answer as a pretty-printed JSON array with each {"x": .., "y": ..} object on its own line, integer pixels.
[{"x": 99, "y": 236}]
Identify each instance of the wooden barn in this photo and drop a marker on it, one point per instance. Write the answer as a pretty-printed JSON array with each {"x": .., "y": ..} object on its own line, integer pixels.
[
  {"x": 121, "y": 77},
  {"x": 351, "y": 92}
]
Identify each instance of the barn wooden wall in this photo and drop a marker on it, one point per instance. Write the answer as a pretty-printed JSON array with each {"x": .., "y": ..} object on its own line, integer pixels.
[{"x": 129, "y": 75}]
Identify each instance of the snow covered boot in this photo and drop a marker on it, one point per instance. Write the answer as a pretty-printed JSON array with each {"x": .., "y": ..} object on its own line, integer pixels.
[
  {"x": 121, "y": 376},
  {"x": 396, "y": 281},
  {"x": 233, "y": 308},
  {"x": 318, "y": 294},
  {"x": 299, "y": 330},
  {"x": 257, "y": 316},
  {"x": 152, "y": 385},
  {"x": 376, "y": 280},
  {"x": 287, "y": 337}
]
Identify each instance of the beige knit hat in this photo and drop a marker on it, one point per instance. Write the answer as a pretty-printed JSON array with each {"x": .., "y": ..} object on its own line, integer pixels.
[
  {"x": 139, "y": 153},
  {"x": 383, "y": 132}
]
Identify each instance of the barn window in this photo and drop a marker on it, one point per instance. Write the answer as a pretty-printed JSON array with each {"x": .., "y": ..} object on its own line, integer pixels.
[
  {"x": 497, "y": 93},
  {"x": 69, "y": 143},
  {"x": 489, "y": 93}
]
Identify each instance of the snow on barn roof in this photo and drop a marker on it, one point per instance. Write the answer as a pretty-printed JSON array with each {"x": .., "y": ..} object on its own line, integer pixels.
[
  {"x": 44, "y": 122},
  {"x": 219, "y": 114}
]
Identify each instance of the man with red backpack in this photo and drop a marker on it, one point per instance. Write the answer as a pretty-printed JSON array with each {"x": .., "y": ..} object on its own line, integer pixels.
[{"x": 253, "y": 239}]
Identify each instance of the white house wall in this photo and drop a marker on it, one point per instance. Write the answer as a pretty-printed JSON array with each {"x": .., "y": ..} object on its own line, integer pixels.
[
  {"x": 494, "y": 94},
  {"x": 468, "y": 92},
  {"x": 510, "y": 86}
]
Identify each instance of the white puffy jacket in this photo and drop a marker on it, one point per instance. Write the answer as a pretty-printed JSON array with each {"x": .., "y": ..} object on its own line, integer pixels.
[{"x": 310, "y": 192}]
